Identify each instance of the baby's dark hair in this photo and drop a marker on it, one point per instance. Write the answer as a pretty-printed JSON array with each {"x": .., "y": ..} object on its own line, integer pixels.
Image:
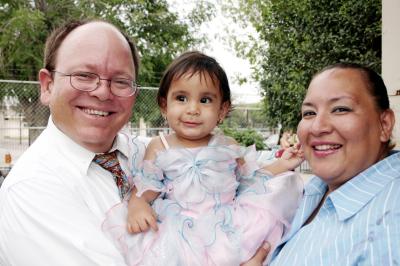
[{"x": 194, "y": 62}]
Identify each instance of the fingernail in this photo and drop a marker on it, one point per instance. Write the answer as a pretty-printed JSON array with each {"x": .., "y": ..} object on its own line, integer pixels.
[{"x": 266, "y": 245}]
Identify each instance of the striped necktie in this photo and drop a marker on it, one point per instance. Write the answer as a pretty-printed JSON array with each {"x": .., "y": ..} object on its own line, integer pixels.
[{"x": 109, "y": 161}]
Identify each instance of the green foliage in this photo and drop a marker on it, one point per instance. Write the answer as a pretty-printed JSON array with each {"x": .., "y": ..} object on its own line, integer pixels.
[
  {"x": 246, "y": 115},
  {"x": 299, "y": 37},
  {"x": 245, "y": 137},
  {"x": 158, "y": 33}
]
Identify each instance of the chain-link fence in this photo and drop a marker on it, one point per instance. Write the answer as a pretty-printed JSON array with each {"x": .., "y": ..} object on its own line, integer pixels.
[{"x": 23, "y": 117}]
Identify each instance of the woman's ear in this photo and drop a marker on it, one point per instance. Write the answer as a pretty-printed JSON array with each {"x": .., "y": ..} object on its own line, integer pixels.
[
  {"x": 387, "y": 120},
  {"x": 46, "y": 83}
]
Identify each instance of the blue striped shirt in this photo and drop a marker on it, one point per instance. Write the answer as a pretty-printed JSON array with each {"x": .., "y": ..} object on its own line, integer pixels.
[{"x": 358, "y": 224}]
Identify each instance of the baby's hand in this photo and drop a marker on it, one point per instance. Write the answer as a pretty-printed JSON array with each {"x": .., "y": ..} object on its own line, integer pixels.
[
  {"x": 141, "y": 216},
  {"x": 259, "y": 257},
  {"x": 292, "y": 157}
]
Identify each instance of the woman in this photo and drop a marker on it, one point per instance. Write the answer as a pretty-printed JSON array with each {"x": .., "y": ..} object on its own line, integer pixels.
[{"x": 350, "y": 214}]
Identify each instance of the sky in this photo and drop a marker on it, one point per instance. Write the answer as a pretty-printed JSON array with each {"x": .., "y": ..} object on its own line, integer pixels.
[{"x": 223, "y": 53}]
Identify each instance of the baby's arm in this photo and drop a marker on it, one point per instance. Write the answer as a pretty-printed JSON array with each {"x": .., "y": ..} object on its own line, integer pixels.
[
  {"x": 290, "y": 159},
  {"x": 141, "y": 215}
]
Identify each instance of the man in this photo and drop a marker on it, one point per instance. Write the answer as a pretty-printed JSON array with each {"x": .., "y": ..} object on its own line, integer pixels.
[{"x": 53, "y": 201}]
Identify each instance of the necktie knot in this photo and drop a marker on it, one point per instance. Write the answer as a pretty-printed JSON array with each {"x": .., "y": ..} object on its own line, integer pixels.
[{"x": 109, "y": 161}]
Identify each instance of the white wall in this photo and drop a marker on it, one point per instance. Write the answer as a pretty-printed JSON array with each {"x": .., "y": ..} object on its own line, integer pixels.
[{"x": 391, "y": 56}]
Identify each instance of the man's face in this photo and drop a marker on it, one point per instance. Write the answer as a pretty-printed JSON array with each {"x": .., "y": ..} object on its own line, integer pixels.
[{"x": 92, "y": 119}]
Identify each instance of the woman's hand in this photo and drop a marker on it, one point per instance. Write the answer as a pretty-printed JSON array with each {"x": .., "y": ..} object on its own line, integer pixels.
[
  {"x": 141, "y": 216},
  {"x": 259, "y": 257}
]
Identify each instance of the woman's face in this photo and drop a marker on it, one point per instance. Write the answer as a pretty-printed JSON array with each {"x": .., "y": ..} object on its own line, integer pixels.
[{"x": 341, "y": 131}]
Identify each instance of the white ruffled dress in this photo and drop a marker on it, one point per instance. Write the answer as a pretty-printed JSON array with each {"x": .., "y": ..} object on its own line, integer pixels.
[{"x": 211, "y": 211}]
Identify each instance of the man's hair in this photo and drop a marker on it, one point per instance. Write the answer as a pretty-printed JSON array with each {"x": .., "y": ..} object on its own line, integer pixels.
[
  {"x": 194, "y": 62},
  {"x": 58, "y": 35}
]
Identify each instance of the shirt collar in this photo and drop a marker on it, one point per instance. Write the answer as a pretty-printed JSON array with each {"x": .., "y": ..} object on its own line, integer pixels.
[
  {"x": 121, "y": 144},
  {"x": 81, "y": 157},
  {"x": 349, "y": 198},
  {"x": 315, "y": 186}
]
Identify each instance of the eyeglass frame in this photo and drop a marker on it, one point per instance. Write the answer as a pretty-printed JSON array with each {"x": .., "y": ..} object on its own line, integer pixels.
[{"x": 135, "y": 87}]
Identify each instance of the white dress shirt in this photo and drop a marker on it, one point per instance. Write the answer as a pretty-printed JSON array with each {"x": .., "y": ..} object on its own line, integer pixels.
[{"x": 54, "y": 200}]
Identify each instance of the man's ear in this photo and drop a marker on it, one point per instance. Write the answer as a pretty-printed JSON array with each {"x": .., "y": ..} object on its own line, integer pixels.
[
  {"x": 387, "y": 120},
  {"x": 46, "y": 84}
]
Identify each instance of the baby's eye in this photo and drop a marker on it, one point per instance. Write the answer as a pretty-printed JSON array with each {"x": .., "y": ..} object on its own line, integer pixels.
[
  {"x": 341, "y": 109},
  {"x": 307, "y": 113},
  {"x": 181, "y": 98},
  {"x": 205, "y": 100}
]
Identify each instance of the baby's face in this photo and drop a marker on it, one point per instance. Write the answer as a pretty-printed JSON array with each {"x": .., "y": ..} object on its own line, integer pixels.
[{"x": 193, "y": 108}]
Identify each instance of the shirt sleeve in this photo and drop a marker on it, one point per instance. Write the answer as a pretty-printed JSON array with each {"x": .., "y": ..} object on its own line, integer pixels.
[
  {"x": 149, "y": 178},
  {"x": 36, "y": 229},
  {"x": 251, "y": 176}
]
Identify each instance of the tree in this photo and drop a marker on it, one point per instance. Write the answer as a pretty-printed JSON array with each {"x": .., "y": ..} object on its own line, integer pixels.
[
  {"x": 299, "y": 37},
  {"x": 245, "y": 116},
  {"x": 245, "y": 137},
  {"x": 158, "y": 33}
]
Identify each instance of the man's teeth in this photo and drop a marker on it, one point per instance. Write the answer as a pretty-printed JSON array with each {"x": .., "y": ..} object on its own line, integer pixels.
[
  {"x": 327, "y": 147},
  {"x": 95, "y": 112}
]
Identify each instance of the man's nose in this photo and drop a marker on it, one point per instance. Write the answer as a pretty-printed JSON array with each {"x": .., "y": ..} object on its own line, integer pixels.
[{"x": 103, "y": 91}]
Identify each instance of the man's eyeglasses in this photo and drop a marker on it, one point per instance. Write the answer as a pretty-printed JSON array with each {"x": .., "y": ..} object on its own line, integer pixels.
[{"x": 86, "y": 81}]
